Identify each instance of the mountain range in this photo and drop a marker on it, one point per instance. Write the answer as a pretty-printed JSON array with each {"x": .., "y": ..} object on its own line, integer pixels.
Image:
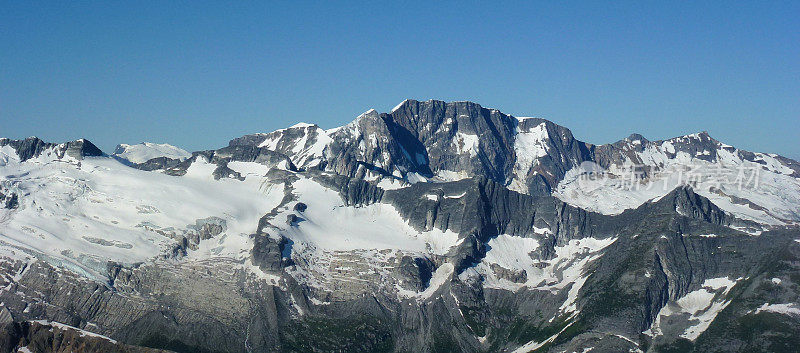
[{"x": 435, "y": 227}]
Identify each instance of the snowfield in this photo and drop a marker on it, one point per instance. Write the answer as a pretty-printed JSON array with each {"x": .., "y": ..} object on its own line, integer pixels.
[
  {"x": 145, "y": 151},
  {"x": 80, "y": 214},
  {"x": 329, "y": 225},
  {"x": 765, "y": 193}
]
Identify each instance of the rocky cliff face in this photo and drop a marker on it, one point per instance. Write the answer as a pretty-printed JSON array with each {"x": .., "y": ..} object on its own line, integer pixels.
[
  {"x": 34, "y": 147},
  {"x": 434, "y": 227}
]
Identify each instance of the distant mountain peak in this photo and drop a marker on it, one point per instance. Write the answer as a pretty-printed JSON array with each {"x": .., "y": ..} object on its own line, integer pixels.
[
  {"x": 144, "y": 151},
  {"x": 33, "y": 147},
  {"x": 302, "y": 125},
  {"x": 637, "y": 137}
]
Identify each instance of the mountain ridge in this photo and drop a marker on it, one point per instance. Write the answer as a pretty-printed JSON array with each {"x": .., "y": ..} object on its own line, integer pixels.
[{"x": 436, "y": 226}]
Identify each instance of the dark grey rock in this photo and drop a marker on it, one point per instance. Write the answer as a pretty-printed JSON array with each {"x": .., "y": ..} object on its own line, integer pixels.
[
  {"x": 33, "y": 147},
  {"x": 300, "y": 207},
  {"x": 10, "y": 201}
]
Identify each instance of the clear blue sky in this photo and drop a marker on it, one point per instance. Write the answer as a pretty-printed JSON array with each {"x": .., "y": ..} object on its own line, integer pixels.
[{"x": 196, "y": 75}]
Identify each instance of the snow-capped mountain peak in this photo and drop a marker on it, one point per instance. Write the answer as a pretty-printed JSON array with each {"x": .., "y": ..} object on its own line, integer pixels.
[
  {"x": 440, "y": 141},
  {"x": 145, "y": 151}
]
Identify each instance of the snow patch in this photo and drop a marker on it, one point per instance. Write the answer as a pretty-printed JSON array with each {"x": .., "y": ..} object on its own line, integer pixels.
[
  {"x": 529, "y": 146},
  {"x": 466, "y": 143},
  {"x": 439, "y": 278},
  {"x": 65, "y": 327},
  {"x": 533, "y": 345},
  {"x": 301, "y": 125},
  {"x": 701, "y": 305},
  {"x": 432, "y": 197},
  {"x": 391, "y": 184},
  {"x": 414, "y": 177},
  {"x": 398, "y": 106},
  {"x": 449, "y": 175},
  {"x": 455, "y": 196},
  {"x": 786, "y": 308}
]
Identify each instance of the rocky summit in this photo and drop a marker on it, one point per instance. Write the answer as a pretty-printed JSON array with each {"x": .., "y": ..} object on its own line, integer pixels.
[{"x": 435, "y": 227}]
